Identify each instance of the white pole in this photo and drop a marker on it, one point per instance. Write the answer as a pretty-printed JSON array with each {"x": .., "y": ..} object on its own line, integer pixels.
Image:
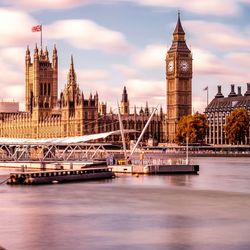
[
  {"x": 122, "y": 133},
  {"x": 187, "y": 150},
  {"x": 143, "y": 131}
]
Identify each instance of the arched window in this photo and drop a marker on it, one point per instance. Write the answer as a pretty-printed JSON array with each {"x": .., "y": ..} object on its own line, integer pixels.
[
  {"x": 41, "y": 89},
  {"x": 48, "y": 88},
  {"x": 45, "y": 89}
]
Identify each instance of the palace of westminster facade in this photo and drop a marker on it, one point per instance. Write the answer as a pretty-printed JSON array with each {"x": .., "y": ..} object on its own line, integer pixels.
[{"x": 48, "y": 115}]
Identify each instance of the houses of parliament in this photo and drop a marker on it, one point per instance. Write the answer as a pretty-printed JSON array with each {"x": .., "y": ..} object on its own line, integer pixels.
[{"x": 49, "y": 114}]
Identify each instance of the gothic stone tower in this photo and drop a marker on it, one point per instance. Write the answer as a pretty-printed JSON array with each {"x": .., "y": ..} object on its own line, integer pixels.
[
  {"x": 125, "y": 103},
  {"x": 41, "y": 82},
  {"x": 179, "y": 80}
]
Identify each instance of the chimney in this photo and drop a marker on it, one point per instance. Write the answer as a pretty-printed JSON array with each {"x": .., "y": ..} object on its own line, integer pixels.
[
  {"x": 239, "y": 91},
  {"x": 232, "y": 93},
  {"x": 248, "y": 90},
  {"x": 219, "y": 94}
]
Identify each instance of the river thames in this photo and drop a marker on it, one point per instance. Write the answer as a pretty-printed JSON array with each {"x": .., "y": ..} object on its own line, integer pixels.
[{"x": 209, "y": 211}]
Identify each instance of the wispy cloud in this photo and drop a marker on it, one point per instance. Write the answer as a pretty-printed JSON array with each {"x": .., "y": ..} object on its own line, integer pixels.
[
  {"x": 86, "y": 34},
  {"x": 46, "y": 4},
  {"x": 152, "y": 56},
  {"x": 126, "y": 71},
  {"x": 211, "y": 7},
  {"x": 217, "y": 35},
  {"x": 15, "y": 29}
]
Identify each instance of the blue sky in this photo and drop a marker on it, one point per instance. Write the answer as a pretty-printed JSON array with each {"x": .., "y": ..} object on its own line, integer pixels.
[{"x": 124, "y": 42}]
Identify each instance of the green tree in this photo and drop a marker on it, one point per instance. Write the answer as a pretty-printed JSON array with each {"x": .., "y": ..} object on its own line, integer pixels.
[
  {"x": 192, "y": 126},
  {"x": 237, "y": 126}
]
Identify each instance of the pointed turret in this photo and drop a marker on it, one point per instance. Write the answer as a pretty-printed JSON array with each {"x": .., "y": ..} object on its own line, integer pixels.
[
  {"x": 124, "y": 95},
  {"x": 27, "y": 57},
  {"x": 96, "y": 98},
  {"x": 124, "y": 102},
  {"x": 46, "y": 53},
  {"x": 146, "y": 109},
  {"x": 36, "y": 52},
  {"x": 161, "y": 113},
  {"x": 54, "y": 50},
  {"x": 141, "y": 112},
  {"x": 178, "y": 28},
  {"x": 179, "y": 42},
  {"x": 135, "y": 110},
  {"x": 54, "y": 57},
  {"x": 71, "y": 74}
]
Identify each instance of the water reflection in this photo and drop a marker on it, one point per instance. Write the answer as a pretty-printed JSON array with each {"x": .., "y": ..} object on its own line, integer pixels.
[{"x": 209, "y": 211}]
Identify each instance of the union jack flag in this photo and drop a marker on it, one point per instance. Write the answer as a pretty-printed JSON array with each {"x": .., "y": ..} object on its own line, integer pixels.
[{"x": 37, "y": 28}]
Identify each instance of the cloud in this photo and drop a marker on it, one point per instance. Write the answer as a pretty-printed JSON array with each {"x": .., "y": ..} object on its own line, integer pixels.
[
  {"x": 82, "y": 34},
  {"x": 89, "y": 76},
  {"x": 12, "y": 74},
  {"x": 46, "y": 4},
  {"x": 239, "y": 60},
  {"x": 15, "y": 29},
  {"x": 152, "y": 56},
  {"x": 217, "y": 35},
  {"x": 211, "y": 7},
  {"x": 126, "y": 71},
  {"x": 141, "y": 90},
  {"x": 86, "y": 34},
  {"x": 207, "y": 63}
]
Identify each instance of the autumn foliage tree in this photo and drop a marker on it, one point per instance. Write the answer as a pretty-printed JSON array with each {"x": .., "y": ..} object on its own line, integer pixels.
[
  {"x": 237, "y": 126},
  {"x": 192, "y": 126}
]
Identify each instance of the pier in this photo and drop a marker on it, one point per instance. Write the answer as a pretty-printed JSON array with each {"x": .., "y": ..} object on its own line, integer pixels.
[{"x": 156, "y": 169}]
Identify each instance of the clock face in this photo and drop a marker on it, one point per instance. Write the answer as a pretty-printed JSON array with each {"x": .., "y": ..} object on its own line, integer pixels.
[
  {"x": 184, "y": 66},
  {"x": 171, "y": 66}
]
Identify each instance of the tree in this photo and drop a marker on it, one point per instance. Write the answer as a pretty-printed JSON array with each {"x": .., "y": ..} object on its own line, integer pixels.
[
  {"x": 237, "y": 126},
  {"x": 192, "y": 126}
]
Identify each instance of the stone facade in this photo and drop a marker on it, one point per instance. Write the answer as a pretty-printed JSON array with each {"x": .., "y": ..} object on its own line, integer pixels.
[
  {"x": 179, "y": 81},
  {"x": 134, "y": 120},
  {"x": 70, "y": 114},
  {"x": 218, "y": 109}
]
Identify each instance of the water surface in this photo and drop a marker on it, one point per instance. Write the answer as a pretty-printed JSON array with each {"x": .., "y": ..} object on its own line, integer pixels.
[{"x": 209, "y": 211}]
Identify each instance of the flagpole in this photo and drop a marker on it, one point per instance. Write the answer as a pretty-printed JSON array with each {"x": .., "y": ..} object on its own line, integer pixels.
[
  {"x": 207, "y": 96},
  {"x": 41, "y": 36}
]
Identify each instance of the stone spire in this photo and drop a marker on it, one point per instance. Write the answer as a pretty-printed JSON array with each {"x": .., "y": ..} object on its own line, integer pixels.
[
  {"x": 54, "y": 57},
  {"x": 179, "y": 41},
  {"x": 124, "y": 95},
  {"x": 146, "y": 109},
  {"x": 178, "y": 28},
  {"x": 71, "y": 74},
  {"x": 27, "y": 55},
  {"x": 124, "y": 102}
]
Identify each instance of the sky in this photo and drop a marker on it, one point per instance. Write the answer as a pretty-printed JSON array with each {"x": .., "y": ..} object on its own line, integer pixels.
[{"x": 117, "y": 43}]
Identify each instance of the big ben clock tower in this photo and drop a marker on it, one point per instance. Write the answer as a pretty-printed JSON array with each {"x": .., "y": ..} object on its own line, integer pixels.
[{"x": 179, "y": 81}]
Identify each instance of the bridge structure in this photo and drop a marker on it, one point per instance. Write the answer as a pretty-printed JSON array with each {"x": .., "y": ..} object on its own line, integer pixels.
[{"x": 56, "y": 149}]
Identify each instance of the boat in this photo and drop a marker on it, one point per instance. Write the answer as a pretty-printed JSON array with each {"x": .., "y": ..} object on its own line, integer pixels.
[{"x": 60, "y": 176}]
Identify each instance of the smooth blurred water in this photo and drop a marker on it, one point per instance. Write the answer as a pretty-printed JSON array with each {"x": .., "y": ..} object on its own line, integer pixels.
[{"x": 209, "y": 211}]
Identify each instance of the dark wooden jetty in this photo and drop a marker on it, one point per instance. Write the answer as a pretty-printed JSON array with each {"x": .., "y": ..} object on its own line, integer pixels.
[{"x": 59, "y": 176}]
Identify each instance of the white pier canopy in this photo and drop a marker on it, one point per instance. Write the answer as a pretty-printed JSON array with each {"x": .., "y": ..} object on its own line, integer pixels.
[
  {"x": 61, "y": 140},
  {"x": 53, "y": 149}
]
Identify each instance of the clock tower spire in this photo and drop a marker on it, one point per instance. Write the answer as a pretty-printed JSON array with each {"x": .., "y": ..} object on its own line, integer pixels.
[{"x": 179, "y": 80}]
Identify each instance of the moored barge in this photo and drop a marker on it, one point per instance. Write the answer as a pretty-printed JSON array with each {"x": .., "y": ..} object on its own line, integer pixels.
[{"x": 60, "y": 176}]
